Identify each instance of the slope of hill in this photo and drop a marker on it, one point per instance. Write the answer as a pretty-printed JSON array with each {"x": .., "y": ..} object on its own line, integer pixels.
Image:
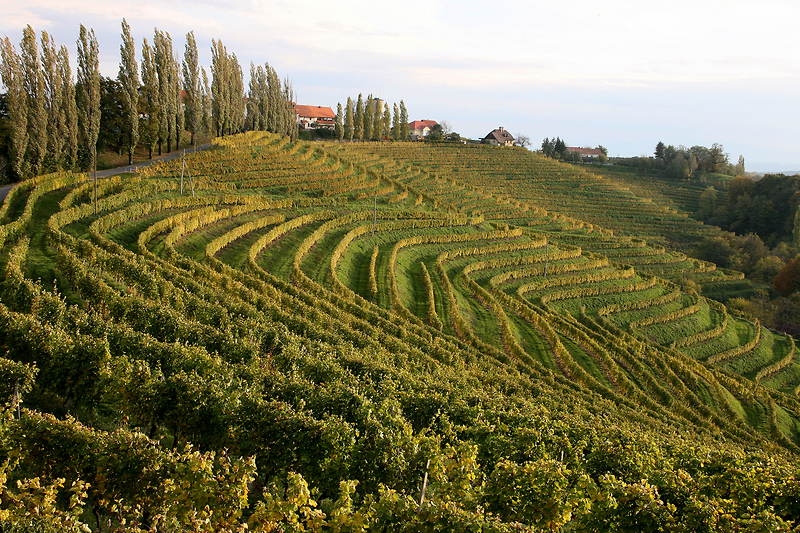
[{"x": 358, "y": 318}]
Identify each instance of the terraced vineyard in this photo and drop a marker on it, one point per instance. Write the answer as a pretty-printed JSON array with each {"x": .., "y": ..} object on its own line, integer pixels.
[{"x": 362, "y": 316}]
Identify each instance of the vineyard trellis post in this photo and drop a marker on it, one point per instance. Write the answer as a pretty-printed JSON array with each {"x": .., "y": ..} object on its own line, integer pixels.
[{"x": 424, "y": 486}]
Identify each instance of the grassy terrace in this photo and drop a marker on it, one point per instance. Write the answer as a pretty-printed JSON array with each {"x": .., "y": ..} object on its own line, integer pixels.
[{"x": 375, "y": 302}]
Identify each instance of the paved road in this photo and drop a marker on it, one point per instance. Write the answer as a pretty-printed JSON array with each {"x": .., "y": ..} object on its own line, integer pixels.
[
  {"x": 4, "y": 190},
  {"x": 132, "y": 168}
]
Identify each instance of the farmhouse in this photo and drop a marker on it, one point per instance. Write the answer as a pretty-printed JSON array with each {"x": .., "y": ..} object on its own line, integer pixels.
[
  {"x": 420, "y": 128},
  {"x": 312, "y": 117},
  {"x": 587, "y": 154},
  {"x": 499, "y": 137}
]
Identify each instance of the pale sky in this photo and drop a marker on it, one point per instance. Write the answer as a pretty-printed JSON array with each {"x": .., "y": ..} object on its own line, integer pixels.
[{"x": 624, "y": 74}]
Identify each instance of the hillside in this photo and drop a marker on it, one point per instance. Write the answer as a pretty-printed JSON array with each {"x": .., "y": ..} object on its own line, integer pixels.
[{"x": 212, "y": 339}]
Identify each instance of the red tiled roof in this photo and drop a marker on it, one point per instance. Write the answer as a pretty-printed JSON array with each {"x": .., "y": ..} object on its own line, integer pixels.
[
  {"x": 421, "y": 124},
  {"x": 314, "y": 111}
]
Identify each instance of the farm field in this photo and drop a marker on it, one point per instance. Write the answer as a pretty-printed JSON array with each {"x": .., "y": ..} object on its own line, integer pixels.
[{"x": 301, "y": 333}]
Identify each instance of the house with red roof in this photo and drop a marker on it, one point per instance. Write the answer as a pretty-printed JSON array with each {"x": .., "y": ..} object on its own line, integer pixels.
[
  {"x": 499, "y": 137},
  {"x": 420, "y": 128},
  {"x": 312, "y": 117}
]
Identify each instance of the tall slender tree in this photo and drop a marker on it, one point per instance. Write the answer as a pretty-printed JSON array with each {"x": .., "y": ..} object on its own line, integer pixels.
[
  {"x": 368, "y": 118},
  {"x": 220, "y": 88},
  {"x": 338, "y": 127},
  {"x": 33, "y": 83},
  {"x": 274, "y": 115},
  {"x": 253, "y": 115},
  {"x": 403, "y": 121},
  {"x": 129, "y": 83},
  {"x": 386, "y": 123},
  {"x": 208, "y": 126},
  {"x": 177, "y": 92},
  {"x": 377, "y": 118},
  {"x": 358, "y": 121},
  {"x": 236, "y": 95},
  {"x": 193, "y": 103},
  {"x": 150, "y": 126},
  {"x": 70, "y": 109},
  {"x": 53, "y": 95},
  {"x": 348, "y": 120},
  {"x": 165, "y": 67},
  {"x": 11, "y": 72},
  {"x": 396, "y": 123},
  {"x": 88, "y": 91}
]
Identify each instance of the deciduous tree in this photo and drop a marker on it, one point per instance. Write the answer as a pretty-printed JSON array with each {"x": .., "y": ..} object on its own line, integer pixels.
[
  {"x": 129, "y": 81},
  {"x": 33, "y": 82},
  {"x": 193, "y": 101},
  {"x": 88, "y": 90},
  {"x": 17, "y": 101},
  {"x": 348, "y": 120},
  {"x": 338, "y": 127},
  {"x": 403, "y": 121}
]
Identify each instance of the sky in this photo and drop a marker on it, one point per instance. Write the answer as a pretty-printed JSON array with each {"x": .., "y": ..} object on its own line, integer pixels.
[{"x": 623, "y": 74}]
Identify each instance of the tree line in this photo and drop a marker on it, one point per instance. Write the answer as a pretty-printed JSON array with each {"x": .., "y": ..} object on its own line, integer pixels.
[
  {"x": 370, "y": 120},
  {"x": 682, "y": 162},
  {"x": 50, "y": 120}
]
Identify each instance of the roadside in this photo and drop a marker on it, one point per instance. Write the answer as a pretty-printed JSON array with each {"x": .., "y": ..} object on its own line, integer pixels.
[{"x": 5, "y": 189}]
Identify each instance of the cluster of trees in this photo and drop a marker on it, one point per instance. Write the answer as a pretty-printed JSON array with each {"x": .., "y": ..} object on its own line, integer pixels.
[
  {"x": 50, "y": 121},
  {"x": 763, "y": 218},
  {"x": 682, "y": 162},
  {"x": 767, "y": 207},
  {"x": 556, "y": 148},
  {"x": 370, "y": 120}
]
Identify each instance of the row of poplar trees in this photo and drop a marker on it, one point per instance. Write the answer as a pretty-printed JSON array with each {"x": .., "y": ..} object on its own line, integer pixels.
[
  {"x": 54, "y": 119},
  {"x": 370, "y": 120}
]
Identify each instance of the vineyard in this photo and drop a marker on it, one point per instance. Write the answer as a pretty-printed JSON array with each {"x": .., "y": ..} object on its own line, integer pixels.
[{"x": 279, "y": 336}]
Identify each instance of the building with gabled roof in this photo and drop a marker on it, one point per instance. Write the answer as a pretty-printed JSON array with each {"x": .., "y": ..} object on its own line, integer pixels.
[
  {"x": 420, "y": 128},
  {"x": 499, "y": 137},
  {"x": 312, "y": 117}
]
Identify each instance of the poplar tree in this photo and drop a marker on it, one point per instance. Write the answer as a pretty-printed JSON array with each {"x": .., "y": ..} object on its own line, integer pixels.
[
  {"x": 54, "y": 94},
  {"x": 377, "y": 119},
  {"x": 33, "y": 84},
  {"x": 253, "y": 116},
  {"x": 262, "y": 92},
  {"x": 403, "y": 121},
  {"x": 348, "y": 120},
  {"x": 150, "y": 126},
  {"x": 69, "y": 109},
  {"x": 207, "y": 105},
  {"x": 129, "y": 83},
  {"x": 396, "y": 124},
  {"x": 358, "y": 123},
  {"x": 274, "y": 114},
  {"x": 193, "y": 102},
  {"x": 220, "y": 88},
  {"x": 177, "y": 88},
  {"x": 338, "y": 128},
  {"x": 368, "y": 119},
  {"x": 165, "y": 67},
  {"x": 88, "y": 91},
  {"x": 386, "y": 123},
  {"x": 290, "y": 117},
  {"x": 236, "y": 95},
  {"x": 11, "y": 72}
]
